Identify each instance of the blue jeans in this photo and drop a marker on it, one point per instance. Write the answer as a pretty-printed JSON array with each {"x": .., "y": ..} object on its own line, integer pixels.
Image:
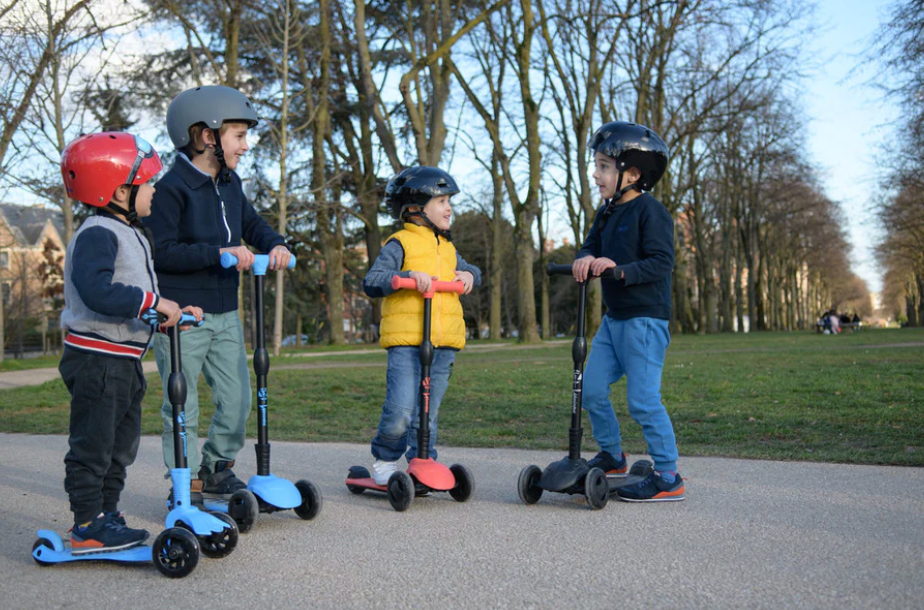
[
  {"x": 634, "y": 348},
  {"x": 398, "y": 425}
]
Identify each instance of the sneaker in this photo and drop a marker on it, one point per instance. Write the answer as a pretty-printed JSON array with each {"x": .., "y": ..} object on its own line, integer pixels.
[
  {"x": 107, "y": 532},
  {"x": 652, "y": 489},
  {"x": 195, "y": 494},
  {"x": 382, "y": 471},
  {"x": 222, "y": 482},
  {"x": 611, "y": 467}
]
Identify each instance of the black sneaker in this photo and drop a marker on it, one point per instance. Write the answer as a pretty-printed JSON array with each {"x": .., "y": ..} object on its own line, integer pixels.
[
  {"x": 107, "y": 532},
  {"x": 610, "y": 466},
  {"x": 223, "y": 482},
  {"x": 653, "y": 488}
]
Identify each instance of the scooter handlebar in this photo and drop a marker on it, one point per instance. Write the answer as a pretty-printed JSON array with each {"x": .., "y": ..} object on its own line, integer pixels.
[
  {"x": 398, "y": 282},
  {"x": 554, "y": 269},
  {"x": 260, "y": 262},
  {"x": 153, "y": 317}
]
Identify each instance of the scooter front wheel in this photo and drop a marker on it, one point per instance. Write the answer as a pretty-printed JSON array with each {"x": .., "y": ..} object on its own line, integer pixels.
[
  {"x": 528, "y": 485},
  {"x": 465, "y": 483},
  {"x": 311, "y": 500},
  {"x": 175, "y": 552},
  {"x": 357, "y": 472},
  {"x": 400, "y": 491},
  {"x": 220, "y": 544},
  {"x": 243, "y": 508}
]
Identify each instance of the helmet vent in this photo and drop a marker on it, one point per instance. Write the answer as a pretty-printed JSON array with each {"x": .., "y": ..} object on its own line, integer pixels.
[{"x": 72, "y": 174}]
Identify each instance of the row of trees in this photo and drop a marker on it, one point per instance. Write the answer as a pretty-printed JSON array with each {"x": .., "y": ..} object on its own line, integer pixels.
[
  {"x": 504, "y": 94},
  {"x": 902, "y": 216}
]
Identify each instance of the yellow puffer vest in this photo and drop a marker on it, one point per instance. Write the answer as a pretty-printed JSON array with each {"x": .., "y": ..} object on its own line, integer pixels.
[{"x": 402, "y": 311}]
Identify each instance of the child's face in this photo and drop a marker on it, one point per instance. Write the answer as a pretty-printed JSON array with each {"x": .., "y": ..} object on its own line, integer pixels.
[
  {"x": 143, "y": 200},
  {"x": 606, "y": 175},
  {"x": 234, "y": 143},
  {"x": 439, "y": 211}
]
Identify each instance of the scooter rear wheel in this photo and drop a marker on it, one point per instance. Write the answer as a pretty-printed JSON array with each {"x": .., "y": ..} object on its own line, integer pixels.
[
  {"x": 596, "y": 489},
  {"x": 400, "y": 491},
  {"x": 175, "y": 552},
  {"x": 528, "y": 485},
  {"x": 311, "y": 500},
  {"x": 47, "y": 544},
  {"x": 465, "y": 483}
]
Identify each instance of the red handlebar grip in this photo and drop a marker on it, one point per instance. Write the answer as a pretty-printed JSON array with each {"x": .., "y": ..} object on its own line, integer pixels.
[{"x": 398, "y": 282}]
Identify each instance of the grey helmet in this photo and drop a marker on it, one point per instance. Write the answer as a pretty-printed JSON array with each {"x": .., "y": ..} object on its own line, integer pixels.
[{"x": 210, "y": 104}]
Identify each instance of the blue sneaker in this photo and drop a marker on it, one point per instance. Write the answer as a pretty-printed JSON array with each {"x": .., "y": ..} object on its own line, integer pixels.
[
  {"x": 611, "y": 467},
  {"x": 652, "y": 488},
  {"x": 107, "y": 532}
]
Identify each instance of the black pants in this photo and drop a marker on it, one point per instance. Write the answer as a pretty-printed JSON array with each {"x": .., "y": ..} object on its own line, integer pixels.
[{"x": 105, "y": 430}]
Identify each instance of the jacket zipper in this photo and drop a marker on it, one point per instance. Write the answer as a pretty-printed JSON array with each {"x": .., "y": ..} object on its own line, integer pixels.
[{"x": 224, "y": 216}]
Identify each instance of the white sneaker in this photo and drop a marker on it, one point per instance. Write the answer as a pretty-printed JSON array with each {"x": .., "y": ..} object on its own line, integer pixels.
[{"x": 382, "y": 471}]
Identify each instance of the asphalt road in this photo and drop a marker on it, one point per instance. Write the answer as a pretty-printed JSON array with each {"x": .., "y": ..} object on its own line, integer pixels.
[{"x": 751, "y": 534}]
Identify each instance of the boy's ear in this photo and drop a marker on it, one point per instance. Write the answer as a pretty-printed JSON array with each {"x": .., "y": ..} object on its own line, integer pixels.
[
  {"x": 632, "y": 175},
  {"x": 121, "y": 194}
]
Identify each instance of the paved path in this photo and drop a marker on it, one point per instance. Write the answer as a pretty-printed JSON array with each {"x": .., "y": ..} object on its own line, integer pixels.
[{"x": 751, "y": 534}]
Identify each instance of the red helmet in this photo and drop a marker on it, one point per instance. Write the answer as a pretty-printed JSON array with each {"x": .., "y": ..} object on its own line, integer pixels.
[{"x": 95, "y": 165}]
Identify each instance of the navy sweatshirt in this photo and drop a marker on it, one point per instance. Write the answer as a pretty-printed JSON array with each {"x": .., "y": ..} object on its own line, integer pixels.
[
  {"x": 639, "y": 237},
  {"x": 192, "y": 218}
]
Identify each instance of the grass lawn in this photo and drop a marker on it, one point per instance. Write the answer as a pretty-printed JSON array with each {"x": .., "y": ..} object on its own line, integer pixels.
[{"x": 794, "y": 396}]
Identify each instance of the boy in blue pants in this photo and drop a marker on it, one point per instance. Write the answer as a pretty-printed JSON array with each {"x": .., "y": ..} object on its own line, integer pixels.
[
  {"x": 418, "y": 196},
  {"x": 632, "y": 241}
]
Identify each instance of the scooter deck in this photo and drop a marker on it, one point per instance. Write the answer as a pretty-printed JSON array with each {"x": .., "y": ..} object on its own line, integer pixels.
[
  {"x": 639, "y": 470},
  {"x": 366, "y": 483}
]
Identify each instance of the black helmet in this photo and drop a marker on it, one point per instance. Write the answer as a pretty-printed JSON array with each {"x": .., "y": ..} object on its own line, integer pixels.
[
  {"x": 633, "y": 145},
  {"x": 415, "y": 186}
]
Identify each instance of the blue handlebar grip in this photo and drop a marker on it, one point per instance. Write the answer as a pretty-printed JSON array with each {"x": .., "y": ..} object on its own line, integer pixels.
[{"x": 260, "y": 262}]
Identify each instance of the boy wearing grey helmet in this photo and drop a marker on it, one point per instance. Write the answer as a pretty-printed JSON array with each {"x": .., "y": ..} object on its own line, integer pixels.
[
  {"x": 200, "y": 213},
  {"x": 631, "y": 248}
]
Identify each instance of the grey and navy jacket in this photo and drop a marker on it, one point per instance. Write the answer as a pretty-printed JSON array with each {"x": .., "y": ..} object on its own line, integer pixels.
[
  {"x": 109, "y": 282},
  {"x": 192, "y": 218},
  {"x": 639, "y": 237}
]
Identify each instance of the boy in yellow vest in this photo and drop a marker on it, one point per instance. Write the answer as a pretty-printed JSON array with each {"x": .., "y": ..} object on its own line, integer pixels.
[{"x": 423, "y": 250}]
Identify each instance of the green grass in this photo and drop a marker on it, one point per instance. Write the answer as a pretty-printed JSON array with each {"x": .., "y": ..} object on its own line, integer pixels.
[{"x": 795, "y": 396}]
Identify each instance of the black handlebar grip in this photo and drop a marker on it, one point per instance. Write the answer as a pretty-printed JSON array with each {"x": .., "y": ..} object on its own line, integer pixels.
[{"x": 553, "y": 269}]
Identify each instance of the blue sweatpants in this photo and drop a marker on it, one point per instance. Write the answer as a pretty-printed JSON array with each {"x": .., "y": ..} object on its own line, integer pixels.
[{"x": 634, "y": 348}]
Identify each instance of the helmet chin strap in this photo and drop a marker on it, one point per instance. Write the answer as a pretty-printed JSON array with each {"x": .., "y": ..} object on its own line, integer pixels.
[
  {"x": 224, "y": 174},
  {"x": 447, "y": 235},
  {"x": 619, "y": 194}
]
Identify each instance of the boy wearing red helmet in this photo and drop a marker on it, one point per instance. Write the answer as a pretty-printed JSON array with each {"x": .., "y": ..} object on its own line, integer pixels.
[
  {"x": 631, "y": 248},
  {"x": 109, "y": 283}
]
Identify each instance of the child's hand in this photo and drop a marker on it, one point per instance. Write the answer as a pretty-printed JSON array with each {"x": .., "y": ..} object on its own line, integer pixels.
[
  {"x": 171, "y": 309},
  {"x": 279, "y": 257},
  {"x": 580, "y": 268},
  {"x": 599, "y": 265},
  {"x": 194, "y": 311},
  {"x": 243, "y": 254},
  {"x": 467, "y": 279},
  {"x": 423, "y": 281}
]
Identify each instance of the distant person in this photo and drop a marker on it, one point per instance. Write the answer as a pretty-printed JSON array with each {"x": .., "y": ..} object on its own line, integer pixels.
[{"x": 835, "y": 323}]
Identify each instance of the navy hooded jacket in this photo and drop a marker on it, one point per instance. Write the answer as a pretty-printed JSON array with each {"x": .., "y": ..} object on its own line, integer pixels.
[
  {"x": 639, "y": 237},
  {"x": 192, "y": 218}
]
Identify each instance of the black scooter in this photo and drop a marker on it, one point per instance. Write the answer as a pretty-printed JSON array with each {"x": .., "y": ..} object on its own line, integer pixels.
[{"x": 573, "y": 475}]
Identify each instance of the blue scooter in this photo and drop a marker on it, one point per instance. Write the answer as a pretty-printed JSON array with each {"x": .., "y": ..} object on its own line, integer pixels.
[
  {"x": 176, "y": 550},
  {"x": 272, "y": 493}
]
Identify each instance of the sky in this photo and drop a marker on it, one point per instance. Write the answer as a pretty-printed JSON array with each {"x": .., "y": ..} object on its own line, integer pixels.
[{"x": 848, "y": 119}]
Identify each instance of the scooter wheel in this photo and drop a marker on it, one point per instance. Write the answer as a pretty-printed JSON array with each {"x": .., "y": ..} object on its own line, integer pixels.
[
  {"x": 400, "y": 491},
  {"x": 641, "y": 468},
  {"x": 45, "y": 542},
  {"x": 528, "y": 485},
  {"x": 465, "y": 483},
  {"x": 357, "y": 472},
  {"x": 311, "y": 500},
  {"x": 596, "y": 489},
  {"x": 175, "y": 552},
  {"x": 220, "y": 544},
  {"x": 243, "y": 508}
]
